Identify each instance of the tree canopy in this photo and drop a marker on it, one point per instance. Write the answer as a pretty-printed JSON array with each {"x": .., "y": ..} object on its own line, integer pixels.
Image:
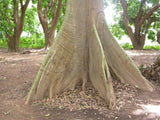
[
  {"x": 6, "y": 18},
  {"x": 12, "y": 21},
  {"x": 31, "y": 24},
  {"x": 142, "y": 15},
  {"x": 16, "y": 18}
]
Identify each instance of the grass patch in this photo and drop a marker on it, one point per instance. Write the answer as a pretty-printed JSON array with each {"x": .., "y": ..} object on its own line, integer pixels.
[
  {"x": 127, "y": 46},
  {"x": 3, "y": 44},
  {"x": 155, "y": 47},
  {"x": 31, "y": 42},
  {"x": 26, "y": 42}
]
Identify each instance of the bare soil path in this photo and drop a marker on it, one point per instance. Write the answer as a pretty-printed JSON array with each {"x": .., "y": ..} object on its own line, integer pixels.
[{"x": 17, "y": 72}]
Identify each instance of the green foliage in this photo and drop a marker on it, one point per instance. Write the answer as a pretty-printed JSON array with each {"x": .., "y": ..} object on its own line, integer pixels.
[
  {"x": 27, "y": 42},
  {"x": 3, "y": 43},
  {"x": 126, "y": 46},
  {"x": 62, "y": 15},
  {"x": 117, "y": 31},
  {"x": 31, "y": 27},
  {"x": 7, "y": 25},
  {"x": 151, "y": 35},
  {"x": 155, "y": 47},
  {"x": 6, "y": 22},
  {"x": 49, "y": 16},
  {"x": 32, "y": 42},
  {"x": 31, "y": 23},
  {"x": 133, "y": 9},
  {"x": 141, "y": 67}
]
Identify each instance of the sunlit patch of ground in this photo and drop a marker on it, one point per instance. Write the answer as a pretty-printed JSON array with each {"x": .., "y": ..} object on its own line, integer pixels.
[
  {"x": 151, "y": 111},
  {"x": 141, "y": 52}
]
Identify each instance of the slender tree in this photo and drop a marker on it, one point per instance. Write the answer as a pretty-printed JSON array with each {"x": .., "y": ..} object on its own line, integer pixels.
[
  {"x": 53, "y": 10},
  {"x": 158, "y": 37},
  {"x": 138, "y": 36},
  {"x": 13, "y": 22},
  {"x": 85, "y": 50},
  {"x": 138, "y": 19}
]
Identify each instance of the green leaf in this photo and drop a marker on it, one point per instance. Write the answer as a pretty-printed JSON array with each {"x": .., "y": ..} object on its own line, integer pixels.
[{"x": 119, "y": 29}]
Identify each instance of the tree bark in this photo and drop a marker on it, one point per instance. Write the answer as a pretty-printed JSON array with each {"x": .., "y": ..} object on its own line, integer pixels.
[
  {"x": 85, "y": 50},
  {"x": 158, "y": 37},
  {"x": 13, "y": 43}
]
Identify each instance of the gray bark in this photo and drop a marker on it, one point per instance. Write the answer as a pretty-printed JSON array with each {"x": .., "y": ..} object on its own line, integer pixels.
[{"x": 85, "y": 47}]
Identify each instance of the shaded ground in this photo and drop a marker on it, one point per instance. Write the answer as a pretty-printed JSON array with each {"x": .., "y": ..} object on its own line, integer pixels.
[{"x": 17, "y": 72}]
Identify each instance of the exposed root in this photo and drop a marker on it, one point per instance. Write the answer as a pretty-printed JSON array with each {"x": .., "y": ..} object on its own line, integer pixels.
[
  {"x": 84, "y": 80},
  {"x": 98, "y": 70},
  {"x": 90, "y": 99}
]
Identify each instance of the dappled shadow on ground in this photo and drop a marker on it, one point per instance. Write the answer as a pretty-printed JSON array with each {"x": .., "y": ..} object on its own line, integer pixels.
[
  {"x": 17, "y": 72},
  {"x": 146, "y": 106},
  {"x": 149, "y": 110}
]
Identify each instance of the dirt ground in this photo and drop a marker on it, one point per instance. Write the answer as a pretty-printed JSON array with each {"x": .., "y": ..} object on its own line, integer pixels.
[{"x": 17, "y": 72}]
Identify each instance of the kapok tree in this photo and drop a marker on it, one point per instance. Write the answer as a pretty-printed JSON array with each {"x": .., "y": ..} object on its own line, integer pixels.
[{"x": 85, "y": 50}]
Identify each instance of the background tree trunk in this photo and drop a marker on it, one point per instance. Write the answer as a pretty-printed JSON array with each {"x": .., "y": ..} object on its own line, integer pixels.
[
  {"x": 13, "y": 42},
  {"x": 85, "y": 50},
  {"x": 137, "y": 37},
  {"x": 49, "y": 32},
  {"x": 158, "y": 37},
  {"x": 11, "y": 45},
  {"x": 138, "y": 42}
]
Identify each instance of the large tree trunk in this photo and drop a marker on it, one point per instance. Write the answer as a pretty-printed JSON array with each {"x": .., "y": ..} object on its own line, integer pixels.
[{"x": 85, "y": 50}]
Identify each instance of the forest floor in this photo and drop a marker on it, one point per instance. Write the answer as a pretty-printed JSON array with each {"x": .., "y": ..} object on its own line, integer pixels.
[{"x": 17, "y": 72}]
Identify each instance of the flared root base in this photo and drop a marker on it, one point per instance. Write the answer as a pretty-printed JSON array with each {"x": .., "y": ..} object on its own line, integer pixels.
[{"x": 85, "y": 50}]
